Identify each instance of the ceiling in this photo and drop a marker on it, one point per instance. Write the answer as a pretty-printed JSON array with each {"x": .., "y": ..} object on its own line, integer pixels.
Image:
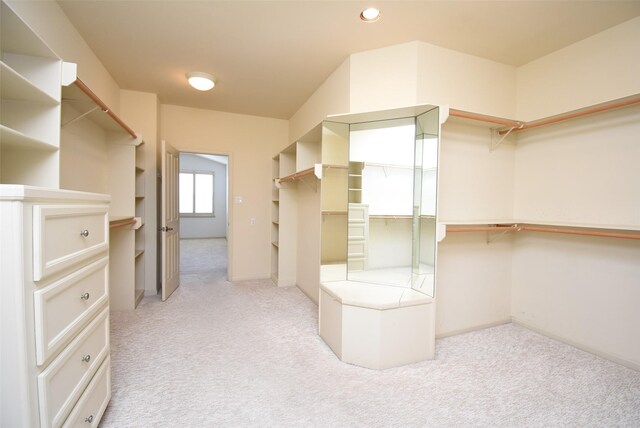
[{"x": 270, "y": 56}]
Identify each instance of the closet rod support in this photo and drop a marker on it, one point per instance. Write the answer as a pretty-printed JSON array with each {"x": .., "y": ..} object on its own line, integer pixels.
[
  {"x": 77, "y": 118},
  {"x": 84, "y": 88},
  {"x": 495, "y": 134}
]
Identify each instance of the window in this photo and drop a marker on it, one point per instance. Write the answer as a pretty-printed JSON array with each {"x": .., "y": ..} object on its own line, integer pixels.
[{"x": 196, "y": 193}]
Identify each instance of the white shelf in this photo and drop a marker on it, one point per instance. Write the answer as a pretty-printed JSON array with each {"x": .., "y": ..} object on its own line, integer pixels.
[
  {"x": 30, "y": 80},
  {"x": 541, "y": 223},
  {"x": 476, "y": 222},
  {"x": 561, "y": 223},
  {"x": 18, "y": 38},
  {"x": 14, "y": 86},
  {"x": 12, "y": 138}
]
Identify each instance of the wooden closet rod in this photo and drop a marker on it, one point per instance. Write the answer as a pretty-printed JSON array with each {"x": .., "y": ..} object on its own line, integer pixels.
[
  {"x": 598, "y": 108},
  {"x": 517, "y": 126},
  {"x": 582, "y": 232},
  {"x": 84, "y": 88},
  {"x": 567, "y": 231},
  {"x": 297, "y": 175},
  {"x": 481, "y": 228}
]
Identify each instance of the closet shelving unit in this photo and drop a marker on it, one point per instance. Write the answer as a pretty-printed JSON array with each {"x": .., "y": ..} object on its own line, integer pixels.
[
  {"x": 100, "y": 153},
  {"x": 509, "y": 126},
  {"x": 300, "y": 174},
  {"x": 30, "y": 78},
  {"x": 54, "y": 297},
  {"x": 275, "y": 217},
  {"x": 284, "y": 218},
  {"x": 139, "y": 232},
  {"x": 355, "y": 182}
]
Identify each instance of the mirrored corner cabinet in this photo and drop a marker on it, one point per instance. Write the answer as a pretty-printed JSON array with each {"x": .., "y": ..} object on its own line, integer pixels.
[
  {"x": 354, "y": 226},
  {"x": 382, "y": 206}
]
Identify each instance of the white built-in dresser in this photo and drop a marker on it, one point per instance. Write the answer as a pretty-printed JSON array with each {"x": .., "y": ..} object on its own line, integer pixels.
[{"x": 54, "y": 268}]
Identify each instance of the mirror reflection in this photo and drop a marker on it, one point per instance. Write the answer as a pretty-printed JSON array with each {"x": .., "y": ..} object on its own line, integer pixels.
[{"x": 379, "y": 201}]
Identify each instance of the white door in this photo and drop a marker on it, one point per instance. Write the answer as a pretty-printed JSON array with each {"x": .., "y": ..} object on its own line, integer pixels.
[{"x": 170, "y": 220}]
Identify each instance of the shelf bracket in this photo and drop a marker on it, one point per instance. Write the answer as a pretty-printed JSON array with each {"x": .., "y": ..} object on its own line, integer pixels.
[
  {"x": 77, "y": 118},
  {"x": 495, "y": 135}
]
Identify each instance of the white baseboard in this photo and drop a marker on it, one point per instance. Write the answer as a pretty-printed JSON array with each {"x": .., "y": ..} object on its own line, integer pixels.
[
  {"x": 597, "y": 352},
  {"x": 474, "y": 328},
  {"x": 248, "y": 278}
]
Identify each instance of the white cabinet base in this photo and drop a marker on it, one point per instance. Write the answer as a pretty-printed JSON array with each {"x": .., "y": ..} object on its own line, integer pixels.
[{"x": 376, "y": 326}]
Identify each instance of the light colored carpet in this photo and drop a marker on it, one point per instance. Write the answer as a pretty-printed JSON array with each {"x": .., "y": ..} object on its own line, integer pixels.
[{"x": 221, "y": 354}]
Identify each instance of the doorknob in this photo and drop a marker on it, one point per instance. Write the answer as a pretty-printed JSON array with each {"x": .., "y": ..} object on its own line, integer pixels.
[{"x": 166, "y": 229}]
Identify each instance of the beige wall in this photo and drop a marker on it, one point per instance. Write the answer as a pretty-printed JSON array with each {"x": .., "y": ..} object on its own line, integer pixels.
[
  {"x": 383, "y": 78},
  {"x": 48, "y": 20},
  {"x": 465, "y": 82},
  {"x": 582, "y": 290},
  {"x": 330, "y": 98},
  {"x": 474, "y": 283},
  {"x": 250, "y": 142},
  {"x": 582, "y": 172},
  {"x": 476, "y": 183},
  {"x": 600, "y": 68}
]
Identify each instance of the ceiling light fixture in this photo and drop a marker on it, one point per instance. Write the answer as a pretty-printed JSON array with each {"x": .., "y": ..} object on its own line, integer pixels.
[
  {"x": 370, "y": 14},
  {"x": 200, "y": 80}
]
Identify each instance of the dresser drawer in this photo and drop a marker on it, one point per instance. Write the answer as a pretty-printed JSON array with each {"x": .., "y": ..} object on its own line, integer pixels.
[
  {"x": 64, "y": 235},
  {"x": 358, "y": 212},
  {"x": 63, "y": 308},
  {"x": 63, "y": 381},
  {"x": 356, "y": 249},
  {"x": 357, "y": 231},
  {"x": 94, "y": 400}
]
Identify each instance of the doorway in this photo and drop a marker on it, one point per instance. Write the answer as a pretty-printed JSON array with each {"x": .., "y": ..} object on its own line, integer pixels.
[{"x": 203, "y": 201}]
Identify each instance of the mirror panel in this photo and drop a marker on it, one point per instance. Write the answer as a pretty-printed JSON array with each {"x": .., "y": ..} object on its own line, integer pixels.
[
  {"x": 379, "y": 198},
  {"x": 425, "y": 186},
  {"x": 381, "y": 157},
  {"x": 334, "y": 201}
]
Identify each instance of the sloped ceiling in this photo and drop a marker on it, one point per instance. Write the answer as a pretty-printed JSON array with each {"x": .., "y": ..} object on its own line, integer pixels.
[{"x": 270, "y": 56}]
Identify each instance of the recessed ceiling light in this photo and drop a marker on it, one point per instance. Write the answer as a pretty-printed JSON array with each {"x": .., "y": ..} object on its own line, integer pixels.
[
  {"x": 370, "y": 14},
  {"x": 200, "y": 80}
]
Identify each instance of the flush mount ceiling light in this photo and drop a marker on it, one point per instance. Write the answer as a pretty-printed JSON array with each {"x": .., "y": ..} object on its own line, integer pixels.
[
  {"x": 370, "y": 14},
  {"x": 200, "y": 80}
]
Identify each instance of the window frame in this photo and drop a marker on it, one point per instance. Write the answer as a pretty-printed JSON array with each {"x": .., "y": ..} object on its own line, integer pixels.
[{"x": 193, "y": 173}]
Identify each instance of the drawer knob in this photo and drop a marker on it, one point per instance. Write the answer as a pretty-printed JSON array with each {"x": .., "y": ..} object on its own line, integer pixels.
[
  {"x": 86, "y": 358},
  {"x": 85, "y": 233},
  {"x": 84, "y": 296},
  {"x": 89, "y": 419}
]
